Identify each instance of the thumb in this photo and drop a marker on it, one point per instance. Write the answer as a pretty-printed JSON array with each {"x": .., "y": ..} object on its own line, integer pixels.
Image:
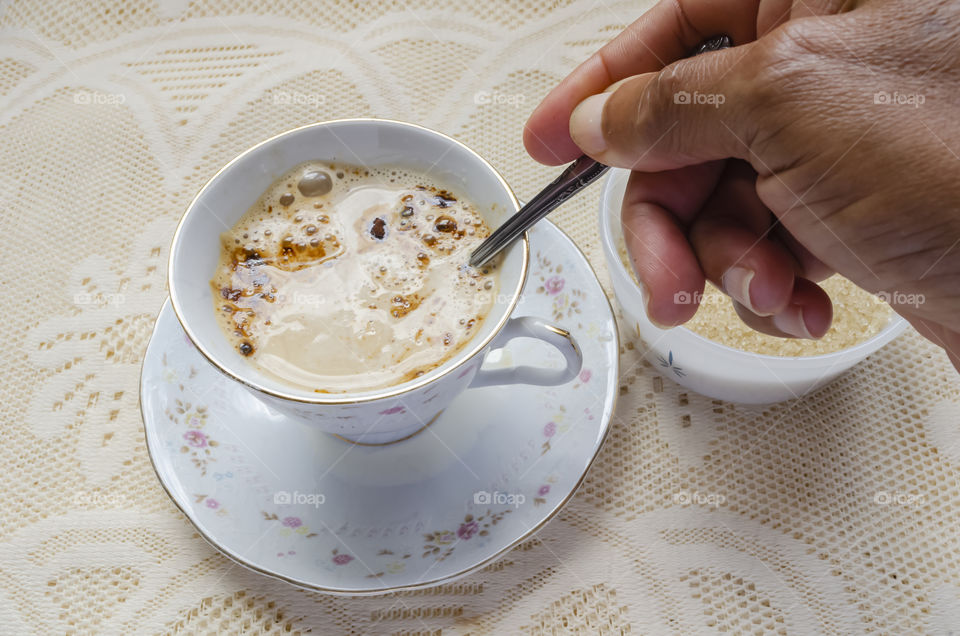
[{"x": 695, "y": 110}]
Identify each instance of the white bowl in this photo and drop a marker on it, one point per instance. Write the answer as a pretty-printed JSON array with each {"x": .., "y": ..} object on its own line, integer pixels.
[{"x": 706, "y": 366}]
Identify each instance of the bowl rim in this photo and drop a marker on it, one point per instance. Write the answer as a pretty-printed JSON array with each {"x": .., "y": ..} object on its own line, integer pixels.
[
  {"x": 896, "y": 325},
  {"x": 358, "y": 397}
]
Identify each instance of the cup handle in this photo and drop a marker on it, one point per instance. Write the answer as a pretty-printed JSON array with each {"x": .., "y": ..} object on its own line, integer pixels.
[{"x": 532, "y": 327}]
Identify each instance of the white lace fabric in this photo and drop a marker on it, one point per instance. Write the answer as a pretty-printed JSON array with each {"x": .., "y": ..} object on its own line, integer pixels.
[{"x": 838, "y": 513}]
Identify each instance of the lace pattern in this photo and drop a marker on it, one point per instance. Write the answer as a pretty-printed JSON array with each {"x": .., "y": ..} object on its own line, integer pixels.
[{"x": 836, "y": 514}]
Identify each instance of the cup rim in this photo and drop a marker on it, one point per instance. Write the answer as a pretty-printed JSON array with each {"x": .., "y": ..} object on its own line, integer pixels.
[
  {"x": 345, "y": 398},
  {"x": 894, "y": 327}
]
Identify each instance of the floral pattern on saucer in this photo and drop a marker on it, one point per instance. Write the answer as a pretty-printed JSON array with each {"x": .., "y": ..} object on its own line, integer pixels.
[
  {"x": 548, "y": 275},
  {"x": 288, "y": 500},
  {"x": 196, "y": 444},
  {"x": 440, "y": 544}
]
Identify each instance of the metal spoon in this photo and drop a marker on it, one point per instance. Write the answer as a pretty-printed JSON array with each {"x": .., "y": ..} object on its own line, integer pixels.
[{"x": 578, "y": 175}]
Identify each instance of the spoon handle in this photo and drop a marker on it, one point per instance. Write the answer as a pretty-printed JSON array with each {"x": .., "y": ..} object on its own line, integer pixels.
[{"x": 578, "y": 175}]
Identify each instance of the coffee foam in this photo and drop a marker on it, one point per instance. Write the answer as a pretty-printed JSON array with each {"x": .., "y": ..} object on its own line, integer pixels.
[{"x": 363, "y": 287}]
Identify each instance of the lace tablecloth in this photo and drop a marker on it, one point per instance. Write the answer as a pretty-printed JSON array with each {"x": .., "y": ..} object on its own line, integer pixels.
[{"x": 837, "y": 513}]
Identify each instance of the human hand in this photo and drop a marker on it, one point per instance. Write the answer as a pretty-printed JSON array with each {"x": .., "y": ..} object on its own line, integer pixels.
[{"x": 826, "y": 140}]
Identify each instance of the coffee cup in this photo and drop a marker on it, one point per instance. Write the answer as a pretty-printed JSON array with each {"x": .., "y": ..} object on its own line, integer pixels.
[{"x": 384, "y": 415}]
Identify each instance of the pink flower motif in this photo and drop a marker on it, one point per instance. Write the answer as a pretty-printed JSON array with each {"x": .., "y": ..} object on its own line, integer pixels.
[
  {"x": 212, "y": 503},
  {"x": 342, "y": 559},
  {"x": 292, "y": 522},
  {"x": 549, "y": 429},
  {"x": 467, "y": 530},
  {"x": 585, "y": 376},
  {"x": 544, "y": 489},
  {"x": 392, "y": 410},
  {"x": 553, "y": 285},
  {"x": 195, "y": 439}
]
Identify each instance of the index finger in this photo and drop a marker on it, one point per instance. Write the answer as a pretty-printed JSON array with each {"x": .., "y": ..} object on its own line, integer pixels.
[{"x": 664, "y": 34}]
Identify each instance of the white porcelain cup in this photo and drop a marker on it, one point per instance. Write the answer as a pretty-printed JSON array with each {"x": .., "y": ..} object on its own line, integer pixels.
[{"x": 383, "y": 415}]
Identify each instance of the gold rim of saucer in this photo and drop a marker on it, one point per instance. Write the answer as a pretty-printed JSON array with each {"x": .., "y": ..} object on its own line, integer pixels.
[{"x": 392, "y": 392}]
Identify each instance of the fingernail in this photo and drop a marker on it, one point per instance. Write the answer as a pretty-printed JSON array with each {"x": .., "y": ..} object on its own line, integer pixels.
[
  {"x": 645, "y": 293},
  {"x": 586, "y": 124},
  {"x": 790, "y": 321},
  {"x": 736, "y": 283}
]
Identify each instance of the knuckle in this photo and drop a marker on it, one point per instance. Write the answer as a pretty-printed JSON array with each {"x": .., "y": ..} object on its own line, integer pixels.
[
  {"x": 668, "y": 84},
  {"x": 634, "y": 112},
  {"x": 689, "y": 95},
  {"x": 669, "y": 91},
  {"x": 780, "y": 74},
  {"x": 662, "y": 91},
  {"x": 787, "y": 55}
]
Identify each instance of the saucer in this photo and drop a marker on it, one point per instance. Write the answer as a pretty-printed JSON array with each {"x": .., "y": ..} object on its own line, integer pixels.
[{"x": 289, "y": 501}]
